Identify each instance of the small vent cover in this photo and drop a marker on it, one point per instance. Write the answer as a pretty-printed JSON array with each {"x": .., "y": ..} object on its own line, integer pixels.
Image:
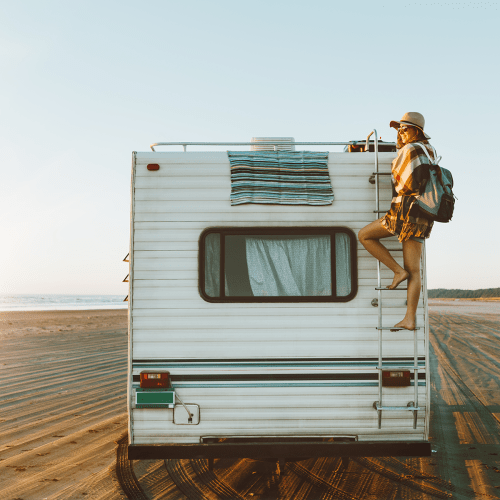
[{"x": 266, "y": 144}]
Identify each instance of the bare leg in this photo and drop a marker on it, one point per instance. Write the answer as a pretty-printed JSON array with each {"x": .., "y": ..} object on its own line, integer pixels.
[
  {"x": 369, "y": 237},
  {"x": 412, "y": 250}
]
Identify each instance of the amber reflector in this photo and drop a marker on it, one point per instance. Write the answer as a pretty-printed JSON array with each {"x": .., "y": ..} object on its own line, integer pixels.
[
  {"x": 396, "y": 378},
  {"x": 153, "y": 166},
  {"x": 155, "y": 379}
]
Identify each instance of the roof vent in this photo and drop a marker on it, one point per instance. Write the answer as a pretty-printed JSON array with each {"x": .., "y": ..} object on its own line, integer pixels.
[{"x": 267, "y": 144}]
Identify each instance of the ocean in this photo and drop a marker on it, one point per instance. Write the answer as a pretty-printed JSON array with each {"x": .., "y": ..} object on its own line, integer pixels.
[{"x": 52, "y": 302}]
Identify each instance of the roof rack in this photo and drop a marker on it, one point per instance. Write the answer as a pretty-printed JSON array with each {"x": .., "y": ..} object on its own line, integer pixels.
[{"x": 274, "y": 143}]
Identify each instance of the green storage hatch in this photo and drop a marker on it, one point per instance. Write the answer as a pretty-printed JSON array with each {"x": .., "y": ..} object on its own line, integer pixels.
[{"x": 154, "y": 398}]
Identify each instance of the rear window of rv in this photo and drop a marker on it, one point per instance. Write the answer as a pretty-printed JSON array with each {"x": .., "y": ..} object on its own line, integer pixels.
[{"x": 270, "y": 264}]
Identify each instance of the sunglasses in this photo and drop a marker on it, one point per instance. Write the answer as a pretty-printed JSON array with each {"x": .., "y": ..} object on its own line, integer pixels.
[{"x": 404, "y": 129}]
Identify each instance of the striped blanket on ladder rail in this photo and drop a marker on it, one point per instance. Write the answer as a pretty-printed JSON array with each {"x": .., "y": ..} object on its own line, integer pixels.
[{"x": 281, "y": 177}]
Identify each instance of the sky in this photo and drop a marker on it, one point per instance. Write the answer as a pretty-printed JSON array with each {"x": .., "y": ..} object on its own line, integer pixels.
[{"x": 83, "y": 84}]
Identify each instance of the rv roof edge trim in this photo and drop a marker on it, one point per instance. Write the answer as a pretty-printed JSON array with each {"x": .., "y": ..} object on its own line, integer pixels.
[{"x": 274, "y": 143}]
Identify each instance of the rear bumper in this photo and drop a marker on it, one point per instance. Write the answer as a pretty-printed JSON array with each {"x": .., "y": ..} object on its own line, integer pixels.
[{"x": 280, "y": 450}]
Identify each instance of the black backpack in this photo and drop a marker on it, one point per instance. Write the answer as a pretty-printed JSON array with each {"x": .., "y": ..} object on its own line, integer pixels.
[{"x": 436, "y": 200}]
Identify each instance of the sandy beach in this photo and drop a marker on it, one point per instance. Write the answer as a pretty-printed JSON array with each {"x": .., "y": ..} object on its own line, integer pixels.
[
  {"x": 63, "y": 408},
  {"x": 62, "y": 404}
]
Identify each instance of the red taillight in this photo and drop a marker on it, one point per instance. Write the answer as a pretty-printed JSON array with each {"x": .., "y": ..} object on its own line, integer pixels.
[
  {"x": 155, "y": 379},
  {"x": 153, "y": 166},
  {"x": 396, "y": 378}
]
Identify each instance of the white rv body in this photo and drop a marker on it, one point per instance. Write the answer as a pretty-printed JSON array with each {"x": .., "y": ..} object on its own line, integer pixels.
[{"x": 229, "y": 362}]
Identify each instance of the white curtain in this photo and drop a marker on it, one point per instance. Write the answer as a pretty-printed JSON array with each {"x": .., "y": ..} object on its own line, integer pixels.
[
  {"x": 212, "y": 265},
  {"x": 286, "y": 266},
  {"x": 343, "y": 264},
  {"x": 294, "y": 266}
]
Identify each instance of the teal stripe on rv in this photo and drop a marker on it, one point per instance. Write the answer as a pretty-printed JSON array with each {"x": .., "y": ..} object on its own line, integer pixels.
[{"x": 181, "y": 385}]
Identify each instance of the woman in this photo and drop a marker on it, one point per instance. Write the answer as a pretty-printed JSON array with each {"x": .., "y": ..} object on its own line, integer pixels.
[{"x": 409, "y": 175}]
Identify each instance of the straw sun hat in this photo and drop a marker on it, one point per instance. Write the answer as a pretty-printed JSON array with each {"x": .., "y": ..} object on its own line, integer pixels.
[{"x": 413, "y": 119}]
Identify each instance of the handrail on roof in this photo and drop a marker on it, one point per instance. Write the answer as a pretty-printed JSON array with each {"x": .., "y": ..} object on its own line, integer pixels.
[{"x": 274, "y": 143}]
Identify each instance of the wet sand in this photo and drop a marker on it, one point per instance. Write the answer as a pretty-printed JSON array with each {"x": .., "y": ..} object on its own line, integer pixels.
[
  {"x": 465, "y": 395},
  {"x": 63, "y": 407},
  {"x": 62, "y": 404},
  {"x": 465, "y": 306}
]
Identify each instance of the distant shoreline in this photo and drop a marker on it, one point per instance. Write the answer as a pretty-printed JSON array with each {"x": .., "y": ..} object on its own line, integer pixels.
[
  {"x": 60, "y": 302},
  {"x": 59, "y": 311},
  {"x": 458, "y": 293},
  {"x": 478, "y": 299},
  {"x": 64, "y": 309}
]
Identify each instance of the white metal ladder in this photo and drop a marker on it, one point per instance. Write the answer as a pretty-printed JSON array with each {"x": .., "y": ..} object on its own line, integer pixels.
[{"x": 378, "y": 405}]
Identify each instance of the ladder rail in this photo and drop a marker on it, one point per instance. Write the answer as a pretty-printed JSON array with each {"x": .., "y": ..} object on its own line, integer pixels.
[
  {"x": 415, "y": 375},
  {"x": 426, "y": 342},
  {"x": 379, "y": 278},
  {"x": 378, "y": 405}
]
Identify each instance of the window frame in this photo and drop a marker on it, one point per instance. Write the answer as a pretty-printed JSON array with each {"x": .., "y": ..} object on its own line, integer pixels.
[{"x": 277, "y": 231}]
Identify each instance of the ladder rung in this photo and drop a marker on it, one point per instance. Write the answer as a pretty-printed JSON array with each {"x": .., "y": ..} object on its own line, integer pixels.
[
  {"x": 395, "y": 328},
  {"x": 380, "y": 211},
  {"x": 397, "y": 408},
  {"x": 390, "y": 289},
  {"x": 401, "y": 367},
  {"x": 381, "y": 173}
]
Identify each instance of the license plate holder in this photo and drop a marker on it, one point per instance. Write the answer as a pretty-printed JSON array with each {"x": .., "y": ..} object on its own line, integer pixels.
[{"x": 154, "y": 399}]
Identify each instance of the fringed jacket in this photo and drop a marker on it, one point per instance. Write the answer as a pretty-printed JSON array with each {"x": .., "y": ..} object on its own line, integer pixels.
[{"x": 410, "y": 172}]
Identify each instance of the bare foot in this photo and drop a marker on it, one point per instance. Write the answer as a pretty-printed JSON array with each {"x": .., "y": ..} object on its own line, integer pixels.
[
  {"x": 406, "y": 324},
  {"x": 398, "y": 278}
]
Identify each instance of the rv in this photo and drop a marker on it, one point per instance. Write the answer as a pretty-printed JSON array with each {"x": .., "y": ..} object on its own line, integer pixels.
[{"x": 228, "y": 355}]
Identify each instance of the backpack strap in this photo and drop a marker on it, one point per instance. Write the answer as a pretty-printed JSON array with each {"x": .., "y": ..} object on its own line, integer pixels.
[{"x": 433, "y": 162}]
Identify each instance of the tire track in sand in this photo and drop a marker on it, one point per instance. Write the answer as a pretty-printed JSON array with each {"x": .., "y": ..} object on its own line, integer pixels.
[{"x": 63, "y": 404}]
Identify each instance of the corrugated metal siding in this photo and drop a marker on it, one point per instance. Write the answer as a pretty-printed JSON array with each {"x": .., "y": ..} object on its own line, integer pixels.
[{"x": 172, "y": 207}]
